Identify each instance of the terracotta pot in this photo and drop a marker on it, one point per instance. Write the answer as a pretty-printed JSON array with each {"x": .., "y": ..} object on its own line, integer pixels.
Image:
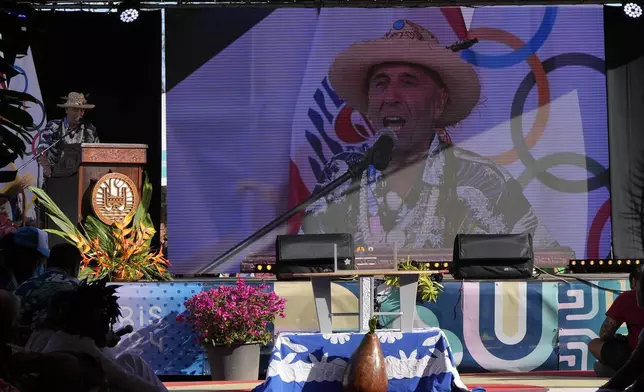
[{"x": 366, "y": 370}]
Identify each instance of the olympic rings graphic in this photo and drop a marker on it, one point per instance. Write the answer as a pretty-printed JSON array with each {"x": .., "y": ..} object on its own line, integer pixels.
[
  {"x": 596, "y": 228},
  {"x": 34, "y": 143},
  {"x": 36, "y": 127},
  {"x": 550, "y": 180},
  {"x": 24, "y": 74},
  {"x": 543, "y": 87},
  {"x": 519, "y": 54},
  {"x": 42, "y": 118},
  {"x": 567, "y": 158}
]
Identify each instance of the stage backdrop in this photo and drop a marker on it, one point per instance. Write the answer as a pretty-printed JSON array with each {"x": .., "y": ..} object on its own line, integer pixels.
[
  {"x": 120, "y": 70},
  {"x": 491, "y": 326},
  {"x": 252, "y": 119}
]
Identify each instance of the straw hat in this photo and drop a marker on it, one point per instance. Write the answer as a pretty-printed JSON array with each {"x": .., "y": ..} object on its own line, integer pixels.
[
  {"x": 75, "y": 100},
  {"x": 406, "y": 42}
]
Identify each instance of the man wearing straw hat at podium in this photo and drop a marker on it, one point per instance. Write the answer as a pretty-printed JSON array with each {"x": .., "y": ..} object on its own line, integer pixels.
[
  {"x": 82, "y": 131},
  {"x": 408, "y": 84}
]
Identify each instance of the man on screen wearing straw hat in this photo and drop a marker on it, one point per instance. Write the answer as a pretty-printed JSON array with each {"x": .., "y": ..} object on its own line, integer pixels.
[
  {"x": 431, "y": 191},
  {"x": 75, "y": 106}
]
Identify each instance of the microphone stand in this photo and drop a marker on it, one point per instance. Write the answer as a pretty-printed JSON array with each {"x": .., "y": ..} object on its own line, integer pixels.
[
  {"x": 354, "y": 171},
  {"x": 38, "y": 155},
  {"x": 35, "y": 157}
]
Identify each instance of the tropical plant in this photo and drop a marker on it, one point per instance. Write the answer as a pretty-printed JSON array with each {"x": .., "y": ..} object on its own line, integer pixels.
[
  {"x": 233, "y": 315},
  {"x": 16, "y": 124},
  {"x": 428, "y": 289},
  {"x": 122, "y": 251}
]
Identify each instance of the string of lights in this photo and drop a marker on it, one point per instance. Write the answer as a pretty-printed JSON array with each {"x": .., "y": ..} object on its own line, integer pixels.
[
  {"x": 154, "y": 5},
  {"x": 603, "y": 265}
]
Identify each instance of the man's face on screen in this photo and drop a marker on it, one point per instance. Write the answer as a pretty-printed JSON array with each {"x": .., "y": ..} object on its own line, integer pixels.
[
  {"x": 406, "y": 98},
  {"x": 73, "y": 114}
]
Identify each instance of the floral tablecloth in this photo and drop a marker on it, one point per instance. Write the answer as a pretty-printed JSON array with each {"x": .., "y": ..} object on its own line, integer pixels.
[{"x": 416, "y": 361}]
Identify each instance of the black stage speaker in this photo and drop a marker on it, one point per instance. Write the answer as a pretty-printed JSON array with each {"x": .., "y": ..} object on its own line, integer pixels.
[
  {"x": 306, "y": 253},
  {"x": 493, "y": 256}
]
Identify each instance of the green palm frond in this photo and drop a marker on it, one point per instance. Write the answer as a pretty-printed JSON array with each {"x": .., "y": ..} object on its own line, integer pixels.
[
  {"x": 55, "y": 213},
  {"x": 94, "y": 228},
  {"x": 428, "y": 289},
  {"x": 121, "y": 250},
  {"x": 142, "y": 215}
]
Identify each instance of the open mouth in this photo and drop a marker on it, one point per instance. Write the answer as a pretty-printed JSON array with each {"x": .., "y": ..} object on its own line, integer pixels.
[{"x": 393, "y": 122}]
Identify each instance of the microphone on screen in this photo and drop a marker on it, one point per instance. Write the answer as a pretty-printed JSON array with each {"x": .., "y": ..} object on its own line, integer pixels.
[
  {"x": 381, "y": 151},
  {"x": 124, "y": 331}
]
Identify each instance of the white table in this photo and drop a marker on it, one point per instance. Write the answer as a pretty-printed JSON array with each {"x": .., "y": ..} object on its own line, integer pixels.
[{"x": 321, "y": 283}]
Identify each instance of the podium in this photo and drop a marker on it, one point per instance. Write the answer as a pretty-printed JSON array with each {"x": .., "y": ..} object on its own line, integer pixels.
[{"x": 74, "y": 179}]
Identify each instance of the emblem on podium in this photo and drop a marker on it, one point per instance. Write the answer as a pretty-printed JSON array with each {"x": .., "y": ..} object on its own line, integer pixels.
[{"x": 114, "y": 196}]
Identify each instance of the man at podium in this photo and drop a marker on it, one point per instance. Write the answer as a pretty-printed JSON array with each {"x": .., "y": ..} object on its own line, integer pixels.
[{"x": 72, "y": 129}]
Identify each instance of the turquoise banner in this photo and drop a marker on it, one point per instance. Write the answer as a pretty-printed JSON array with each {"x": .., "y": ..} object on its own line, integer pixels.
[{"x": 491, "y": 326}]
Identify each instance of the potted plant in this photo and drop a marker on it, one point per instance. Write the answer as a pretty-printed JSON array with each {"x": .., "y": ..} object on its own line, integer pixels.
[
  {"x": 366, "y": 370},
  {"x": 120, "y": 252},
  {"x": 231, "y": 322},
  {"x": 427, "y": 288},
  {"x": 428, "y": 291}
]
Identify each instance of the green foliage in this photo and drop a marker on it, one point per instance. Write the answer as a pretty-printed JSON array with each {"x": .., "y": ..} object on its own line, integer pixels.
[
  {"x": 16, "y": 124},
  {"x": 429, "y": 290},
  {"x": 373, "y": 323},
  {"x": 121, "y": 251}
]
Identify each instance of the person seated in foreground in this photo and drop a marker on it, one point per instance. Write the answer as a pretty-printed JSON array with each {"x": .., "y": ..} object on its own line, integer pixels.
[
  {"x": 630, "y": 377},
  {"x": 21, "y": 254},
  {"x": 35, "y": 293},
  {"x": 83, "y": 319},
  {"x": 613, "y": 350},
  {"x": 25, "y": 372}
]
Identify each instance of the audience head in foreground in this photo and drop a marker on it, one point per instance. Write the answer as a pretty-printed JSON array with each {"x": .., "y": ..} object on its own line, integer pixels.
[
  {"x": 89, "y": 311},
  {"x": 36, "y": 293},
  {"x": 21, "y": 254},
  {"x": 65, "y": 258}
]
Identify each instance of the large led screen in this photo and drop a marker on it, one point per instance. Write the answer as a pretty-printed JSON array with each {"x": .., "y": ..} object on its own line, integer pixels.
[{"x": 504, "y": 135}]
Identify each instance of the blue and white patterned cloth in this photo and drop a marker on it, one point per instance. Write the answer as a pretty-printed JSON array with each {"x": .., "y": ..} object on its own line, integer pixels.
[{"x": 416, "y": 361}]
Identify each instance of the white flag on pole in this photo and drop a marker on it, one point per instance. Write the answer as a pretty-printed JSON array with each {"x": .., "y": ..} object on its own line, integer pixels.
[{"x": 27, "y": 82}]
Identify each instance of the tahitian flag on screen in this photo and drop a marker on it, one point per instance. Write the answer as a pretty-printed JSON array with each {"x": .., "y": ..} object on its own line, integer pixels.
[{"x": 254, "y": 123}]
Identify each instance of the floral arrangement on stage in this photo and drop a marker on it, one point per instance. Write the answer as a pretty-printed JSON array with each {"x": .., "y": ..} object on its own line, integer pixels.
[
  {"x": 233, "y": 315},
  {"x": 120, "y": 252},
  {"x": 428, "y": 289}
]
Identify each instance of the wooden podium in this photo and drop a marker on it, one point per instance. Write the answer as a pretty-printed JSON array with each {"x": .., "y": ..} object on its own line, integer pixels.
[{"x": 72, "y": 182}]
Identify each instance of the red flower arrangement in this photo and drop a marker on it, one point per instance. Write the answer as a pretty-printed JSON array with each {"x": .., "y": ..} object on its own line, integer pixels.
[{"x": 233, "y": 315}]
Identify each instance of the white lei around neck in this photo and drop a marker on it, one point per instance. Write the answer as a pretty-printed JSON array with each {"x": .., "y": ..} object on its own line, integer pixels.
[{"x": 432, "y": 227}]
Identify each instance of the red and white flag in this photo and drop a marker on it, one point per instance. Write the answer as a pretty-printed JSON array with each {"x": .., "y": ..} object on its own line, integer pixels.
[{"x": 323, "y": 126}]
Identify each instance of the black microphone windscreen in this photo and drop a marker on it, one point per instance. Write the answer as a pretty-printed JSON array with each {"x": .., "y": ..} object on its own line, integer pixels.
[
  {"x": 383, "y": 148},
  {"x": 125, "y": 330}
]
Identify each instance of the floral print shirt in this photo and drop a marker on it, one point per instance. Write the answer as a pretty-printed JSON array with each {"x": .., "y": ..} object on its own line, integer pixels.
[
  {"x": 56, "y": 129},
  {"x": 460, "y": 193},
  {"x": 35, "y": 294}
]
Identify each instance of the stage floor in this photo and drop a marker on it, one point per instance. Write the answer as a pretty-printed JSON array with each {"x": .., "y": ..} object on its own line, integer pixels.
[{"x": 553, "y": 381}]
